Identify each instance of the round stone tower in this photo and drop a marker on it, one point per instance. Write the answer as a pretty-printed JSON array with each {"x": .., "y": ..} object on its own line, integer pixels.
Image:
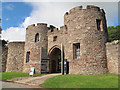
[
  {"x": 87, "y": 30},
  {"x": 35, "y": 43}
]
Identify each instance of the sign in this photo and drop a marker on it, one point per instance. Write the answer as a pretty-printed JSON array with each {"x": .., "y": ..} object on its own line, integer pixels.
[
  {"x": 31, "y": 71},
  {"x": 65, "y": 66}
]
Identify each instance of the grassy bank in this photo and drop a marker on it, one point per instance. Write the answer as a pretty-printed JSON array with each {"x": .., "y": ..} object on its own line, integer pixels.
[
  {"x": 82, "y": 81},
  {"x": 10, "y": 75}
]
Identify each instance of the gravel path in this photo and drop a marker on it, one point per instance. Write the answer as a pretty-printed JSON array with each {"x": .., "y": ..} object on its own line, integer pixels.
[
  {"x": 33, "y": 81},
  {"x": 19, "y": 78},
  {"x": 16, "y": 85}
]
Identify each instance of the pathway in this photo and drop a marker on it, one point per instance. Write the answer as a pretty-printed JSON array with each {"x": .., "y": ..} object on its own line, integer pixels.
[
  {"x": 35, "y": 81},
  {"x": 15, "y": 85}
]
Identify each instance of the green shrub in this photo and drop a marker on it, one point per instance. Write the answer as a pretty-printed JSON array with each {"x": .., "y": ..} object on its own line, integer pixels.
[{"x": 113, "y": 33}]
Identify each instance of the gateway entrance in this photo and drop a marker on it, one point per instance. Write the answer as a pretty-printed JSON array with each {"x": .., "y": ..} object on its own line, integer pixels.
[{"x": 55, "y": 61}]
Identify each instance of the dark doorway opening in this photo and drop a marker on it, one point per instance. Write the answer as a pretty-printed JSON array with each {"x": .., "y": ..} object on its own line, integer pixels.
[{"x": 55, "y": 61}]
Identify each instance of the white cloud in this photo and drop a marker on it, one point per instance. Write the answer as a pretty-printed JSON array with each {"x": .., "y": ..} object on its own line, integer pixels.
[
  {"x": 53, "y": 13},
  {"x": 47, "y": 12},
  {"x": 9, "y": 7},
  {"x": 14, "y": 34}
]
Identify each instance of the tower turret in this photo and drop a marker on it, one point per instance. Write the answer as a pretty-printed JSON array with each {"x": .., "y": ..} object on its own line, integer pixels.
[
  {"x": 36, "y": 38},
  {"x": 87, "y": 32}
]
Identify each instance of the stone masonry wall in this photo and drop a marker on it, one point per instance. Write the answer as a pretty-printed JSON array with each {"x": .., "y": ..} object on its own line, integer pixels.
[
  {"x": 4, "y": 58},
  {"x": 113, "y": 56},
  {"x": 35, "y": 47},
  {"x": 62, "y": 36},
  {"x": 80, "y": 27},
  {"x": 15, "y": 57}
]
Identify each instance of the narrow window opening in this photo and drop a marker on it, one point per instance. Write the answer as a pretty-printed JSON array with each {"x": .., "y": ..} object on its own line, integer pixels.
[
  {"x": 98, "y": 24},
  {"x": 66, "y": 27},
  {"x": 76, "y": 51},
  {"x": 37, "y": 37},
  {"x": 55, "y": 38},
  {"x": 28, "y": 57}
]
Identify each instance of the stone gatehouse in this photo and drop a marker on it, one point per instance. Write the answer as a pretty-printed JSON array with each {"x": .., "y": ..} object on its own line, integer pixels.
[{"x": 81, "y": 41}]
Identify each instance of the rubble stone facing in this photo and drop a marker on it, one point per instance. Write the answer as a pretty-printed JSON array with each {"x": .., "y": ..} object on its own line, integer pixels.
[
  {"x": 15, "y": 57},
  {"x": 4, "y": 58},
  {"x": 113, "y": 57},
  {"x": 79, "y": 27},
  {"x": 35, "y": 47}
]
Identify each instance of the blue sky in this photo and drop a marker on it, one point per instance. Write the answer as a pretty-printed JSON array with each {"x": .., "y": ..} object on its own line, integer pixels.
[
  {"x": 14, "y": 13},
  {"x": 16, "y": 16}
]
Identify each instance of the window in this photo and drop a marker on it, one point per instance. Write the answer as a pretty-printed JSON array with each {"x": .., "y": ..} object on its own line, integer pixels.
[
  {"x": 55, "y": 38},
  {"x": 98, "y": 24},
  {"x": 66, "y": 27},
  {"x": 76, "y": 51},
  {"x": 27, "y": 57},
  {"x": 37, "y": 37}
]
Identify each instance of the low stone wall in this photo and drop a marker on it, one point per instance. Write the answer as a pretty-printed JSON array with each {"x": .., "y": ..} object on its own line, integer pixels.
[
  {"x": 113, "y": 57},
  {"x": 0, "y": 56},
  {"x": 15, "y": 57}
]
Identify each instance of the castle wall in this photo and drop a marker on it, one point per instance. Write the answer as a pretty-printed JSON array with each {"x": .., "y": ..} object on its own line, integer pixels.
[
  {"x": 62, "y": 36},
  {"x": 4, "y": 58},
  {"x": 0, "y": 56},
  {"x": 35, "y": 47},
  {"x": 15, "y": 57},
  {"x": 113, "y": 56},
  {"x": 80, "y": 27}
]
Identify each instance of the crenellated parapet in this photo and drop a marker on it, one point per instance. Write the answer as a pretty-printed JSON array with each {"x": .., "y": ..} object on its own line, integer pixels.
[
  {"x": 56, "y": 30},
  {"x": 37, "y": 25},
  {"x": 41, "y": 24},
  {"x": 76, "y": 9},
  {"x": 53, "y": 30},
  {"x": 83, "y": 37},
  {"x": 90, "y": 9},
  {"x": 83, "y": 17},
  {"x": 32, "y": 25},
  {"x": 80, "y": 8}
]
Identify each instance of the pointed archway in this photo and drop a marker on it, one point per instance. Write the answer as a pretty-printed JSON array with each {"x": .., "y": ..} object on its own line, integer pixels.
[{"x": 55, "y": 60}]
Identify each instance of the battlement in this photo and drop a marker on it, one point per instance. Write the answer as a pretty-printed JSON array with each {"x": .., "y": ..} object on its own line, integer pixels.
[
  {"x": 80, "y": 8},
  {"x": 52, "y": 29},
  {"x": 56, "y": 30},
  {"x": 38, "y": 24},
  {"x": 75, "y": 9},
  {"x": 93, "y": 7}
]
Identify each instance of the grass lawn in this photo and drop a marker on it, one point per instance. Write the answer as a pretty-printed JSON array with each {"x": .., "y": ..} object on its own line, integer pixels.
[
  {"x": 10, "y": 75},
  {"x": 82, "y": 81}
]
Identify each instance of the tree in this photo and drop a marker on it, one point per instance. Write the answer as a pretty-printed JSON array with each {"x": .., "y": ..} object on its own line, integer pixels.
[
  {"x": 113, "y": 33},
  {"x": 2, "y": 42},
  {"x": 0, "y": 26}
]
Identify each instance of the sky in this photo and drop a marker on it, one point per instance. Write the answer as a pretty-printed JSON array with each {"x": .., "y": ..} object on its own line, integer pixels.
[{"x": 16, "y": 16}]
